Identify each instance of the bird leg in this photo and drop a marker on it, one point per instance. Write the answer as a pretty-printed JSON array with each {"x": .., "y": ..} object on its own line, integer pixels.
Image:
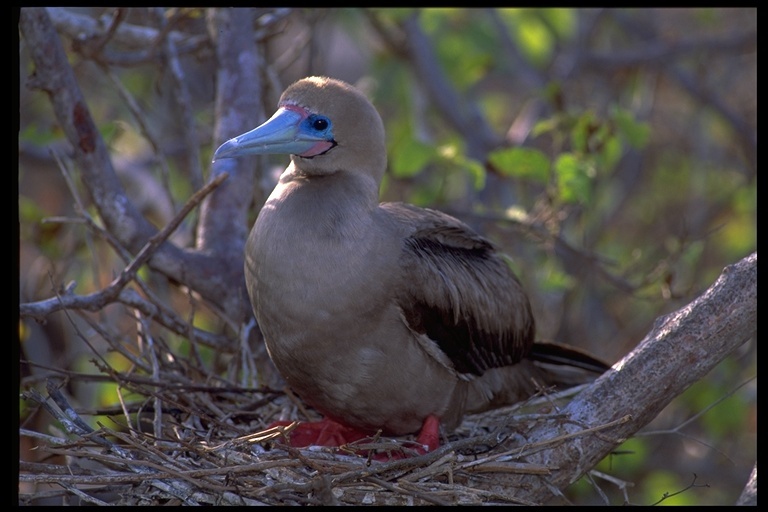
[
  {"x": 325, "y": 432},
  {"x": 428, "y": 440},
  {"x": 429, "y": 436},
  {"x": 330, "y": 433}
]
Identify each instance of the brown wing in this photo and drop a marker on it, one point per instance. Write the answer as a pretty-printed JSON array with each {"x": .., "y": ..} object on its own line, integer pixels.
[{"x": 461, "y": 293}]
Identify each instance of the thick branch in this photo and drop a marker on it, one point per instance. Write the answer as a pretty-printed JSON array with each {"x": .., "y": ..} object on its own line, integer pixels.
[
  {"x": 223, "y": 225},
  {"x": 680, "y": 350},
  {"x": 116, "y": 291},
  {"x": 53, "y": 74},
  {"x": 83, "y": 27},
  {"x": 749, "y": 494}
]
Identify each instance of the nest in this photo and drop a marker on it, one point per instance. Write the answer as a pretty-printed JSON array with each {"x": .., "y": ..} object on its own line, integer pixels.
[{"x": 171, "y": 441}]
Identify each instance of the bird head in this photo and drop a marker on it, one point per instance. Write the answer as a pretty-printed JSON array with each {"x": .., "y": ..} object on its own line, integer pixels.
[{"x": 326, "y": 125}]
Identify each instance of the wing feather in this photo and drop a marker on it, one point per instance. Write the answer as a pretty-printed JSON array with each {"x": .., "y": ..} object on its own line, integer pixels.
[{"x": 461, "y": 293}]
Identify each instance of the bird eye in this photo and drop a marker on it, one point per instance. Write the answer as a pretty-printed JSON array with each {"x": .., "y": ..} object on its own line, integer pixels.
[{"x": 319, "y": 123}]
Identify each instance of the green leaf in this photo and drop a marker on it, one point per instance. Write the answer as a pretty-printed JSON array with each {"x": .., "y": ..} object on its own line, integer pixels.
[
  {"x": 453, "y": 154},
  {"x": 409, "y": 157},
  {"x": 32, "y": 133},
  {"x": 535, "y": 41},
  {"x": 463, "y": 41},
  {"x": 533, "y": 38},
  {"x": 551, "y": 278},
  {"x": 526, "y": 163},
  {"x": 391, "y": 15},
  {"x": 611, "y": 153},
  {"x": 636, "y": 133},
  {"x": 477, "y": 171},
  {"x": 29, "y": 211},
  {"x": 586, "y": 125},
  {"x": 561, "y": 21},
  {"x": 574, "y": 177},
  {"x": 545, "y": 126}
]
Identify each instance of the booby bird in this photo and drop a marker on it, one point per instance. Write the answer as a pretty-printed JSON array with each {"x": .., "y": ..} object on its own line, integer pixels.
[{"x": 381, "y": 316}]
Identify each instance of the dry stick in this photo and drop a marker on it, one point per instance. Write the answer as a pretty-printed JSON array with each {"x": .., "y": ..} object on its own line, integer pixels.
[
  {"x": 167, "y": 318},
  {"x": 139, "y": 117},
  {"x": 75, "y": 425},
  {"x": 180, "y": 87},
  {"x": 80, "y": 208},
  {"x": 139, "y": 380},
  {"x": 534, "y": 447},
  {"x": 98, "y": 299},
  {"x": 69, "y": 418},
  {"x": 128, "y": 297},
  {"x": 400, "y": 490},
  {"x": 154, "y": 242},
  {"x": 699, "y": 414}
]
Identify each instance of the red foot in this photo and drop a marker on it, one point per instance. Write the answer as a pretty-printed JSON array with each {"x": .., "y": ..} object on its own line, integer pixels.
[
  {"x": 320, "y": 433},
  {"x": 430, "y": 433},
  {"x": 330, "y": 433},
  {"x": 427, "y": 441}
]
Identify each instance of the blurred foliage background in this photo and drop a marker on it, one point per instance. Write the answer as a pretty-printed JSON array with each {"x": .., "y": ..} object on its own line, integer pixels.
[{"x": 610, "y": 152}]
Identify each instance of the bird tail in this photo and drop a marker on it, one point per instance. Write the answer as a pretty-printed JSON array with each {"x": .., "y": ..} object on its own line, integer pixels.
[
  {"x": 562, "y": 366},
  {"x": 548, "y": 365},
  {"x": 557, "y": 354}
]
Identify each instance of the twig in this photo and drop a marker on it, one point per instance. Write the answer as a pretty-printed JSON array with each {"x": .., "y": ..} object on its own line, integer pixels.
[{"x": 97, "y": 300}]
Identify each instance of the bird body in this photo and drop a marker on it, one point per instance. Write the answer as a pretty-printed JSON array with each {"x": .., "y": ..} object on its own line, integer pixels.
[{"x": 379, "y": 315}]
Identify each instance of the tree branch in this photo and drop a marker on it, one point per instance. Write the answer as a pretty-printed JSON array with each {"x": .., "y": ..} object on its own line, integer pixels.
[
  {"x": 200, "y": 271},
  {"x": 682, "y": 347},
  {"x": 83, "y": 29},
  {"x": 464, "y": 116},
  {"x": 237, "y": 110},
  {"x": 115, "y": 291}
]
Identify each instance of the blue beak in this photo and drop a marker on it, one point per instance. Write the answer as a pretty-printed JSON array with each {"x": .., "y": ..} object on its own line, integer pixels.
[{"x": 283, "y": 133}]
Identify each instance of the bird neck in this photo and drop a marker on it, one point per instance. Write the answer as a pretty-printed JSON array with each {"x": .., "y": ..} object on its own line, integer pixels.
[
  {"x": 371, "y": 163},
  {"x": 325, "y": 207}
]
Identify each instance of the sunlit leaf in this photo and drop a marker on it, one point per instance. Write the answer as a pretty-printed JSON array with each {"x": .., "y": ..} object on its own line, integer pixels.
[
  {"x": 611, "y": 152},
  {"x": 409, "y": 157},
  {"x": 535, "y": 41},
  {"x": 532, "y": 36},
  {"x": 477, "y": 171},
  {"x": 454, "y": 155},
  {"x": 395, "y": 14},
  {"x": 552, "y": 278},
  {"x": 585, "y": 125},
  {"x": 516, "y": 213},
  {"x": 29, "y": 211},
  {"x": 32, "y": 133},
  {"x": 560, "y": 20},
  {"x": 636, "y": 133},
  {"x": 463, "y": 42},
  {"x": 667, "y": 488},
  {"x": 739, "y": 235},
  {"x": 526, "y": 163},
  {"x": 545, "y": 126},
  {"x": 573, "y": 179}
]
